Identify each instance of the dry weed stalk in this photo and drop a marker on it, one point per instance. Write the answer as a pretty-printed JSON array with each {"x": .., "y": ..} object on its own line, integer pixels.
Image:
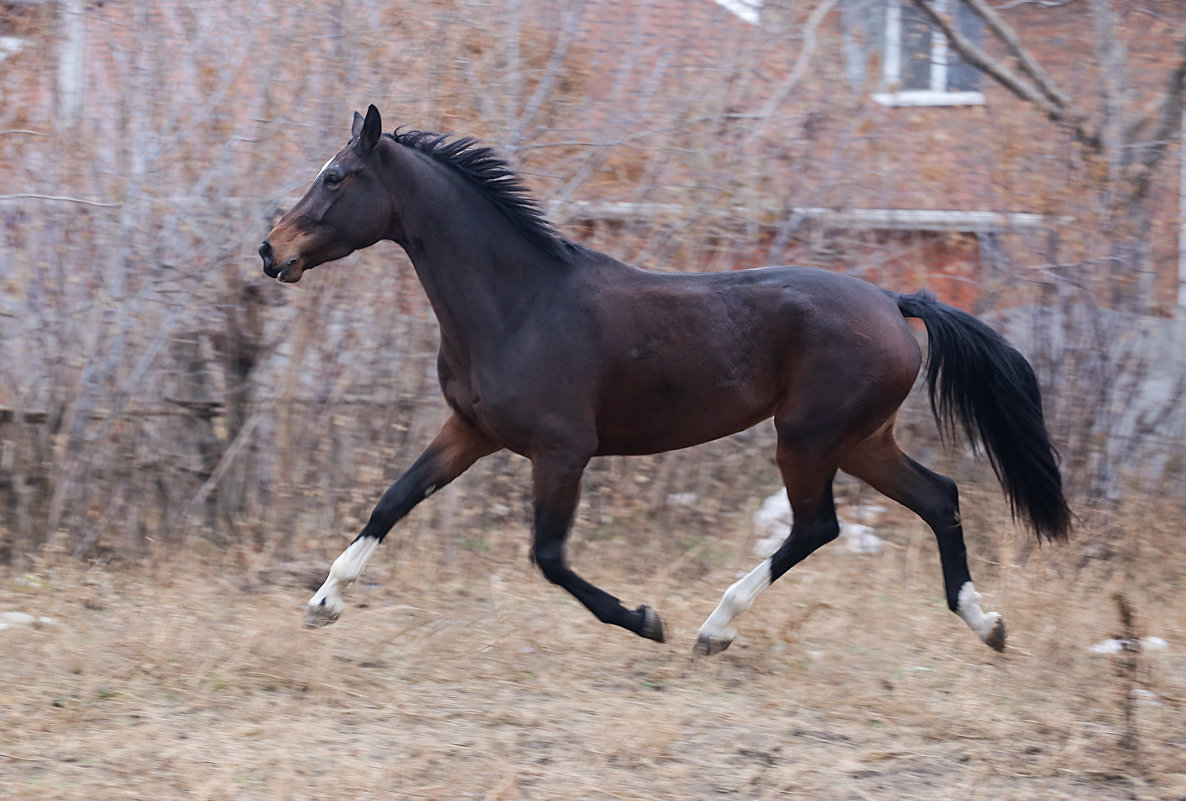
[{"x": 1127, "y": 667}]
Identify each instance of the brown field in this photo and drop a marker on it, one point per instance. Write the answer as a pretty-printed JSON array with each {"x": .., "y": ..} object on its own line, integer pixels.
[{"x": 457, "y": 672}]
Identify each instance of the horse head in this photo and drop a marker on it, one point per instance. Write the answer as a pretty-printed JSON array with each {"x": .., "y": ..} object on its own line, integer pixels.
[{"x": 346, "y": 209}]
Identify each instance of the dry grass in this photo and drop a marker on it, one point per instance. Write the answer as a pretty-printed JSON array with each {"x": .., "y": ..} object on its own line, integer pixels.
[{"x": 457, "y": 672}]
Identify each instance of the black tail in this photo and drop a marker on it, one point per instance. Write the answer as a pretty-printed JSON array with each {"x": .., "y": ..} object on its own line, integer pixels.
[{"x": 977, "y": 378}]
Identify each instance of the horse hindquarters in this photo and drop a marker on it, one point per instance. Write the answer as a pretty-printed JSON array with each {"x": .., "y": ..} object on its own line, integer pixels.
[{"x": 848, "y": 378}]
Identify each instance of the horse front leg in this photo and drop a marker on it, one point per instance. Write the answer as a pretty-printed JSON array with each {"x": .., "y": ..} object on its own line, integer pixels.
[
  {"x": 455, "y": 447},
  {"x": 556, "y": 481}
]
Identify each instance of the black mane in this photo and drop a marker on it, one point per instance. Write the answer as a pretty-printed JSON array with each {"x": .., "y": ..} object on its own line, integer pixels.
[{"x": 483, "y": 168}]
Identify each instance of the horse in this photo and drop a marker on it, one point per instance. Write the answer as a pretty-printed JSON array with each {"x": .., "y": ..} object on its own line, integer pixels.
[{"x": 561, "y": 353}]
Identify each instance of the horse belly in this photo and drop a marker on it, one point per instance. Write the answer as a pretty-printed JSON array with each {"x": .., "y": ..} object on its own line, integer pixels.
[{"x": 668, "y": 410}]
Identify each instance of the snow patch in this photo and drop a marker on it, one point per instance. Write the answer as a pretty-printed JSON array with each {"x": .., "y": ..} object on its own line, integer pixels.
[
  {"x": 10, "y": 620},
  {"x": 772, "y": 523},
  {"x": 1116, "y": 645}
]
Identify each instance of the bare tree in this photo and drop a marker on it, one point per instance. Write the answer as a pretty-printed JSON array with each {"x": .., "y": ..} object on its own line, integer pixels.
[
  {"x": 1096, "y": 346},
  {"x": 153, "y": 386},
  {"x": 1132, "y": 142}
]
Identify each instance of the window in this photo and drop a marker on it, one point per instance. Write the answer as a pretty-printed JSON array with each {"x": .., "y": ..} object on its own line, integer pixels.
[
  {"x": 920, "y": 68},
  {"x": 748, "y": 10}
]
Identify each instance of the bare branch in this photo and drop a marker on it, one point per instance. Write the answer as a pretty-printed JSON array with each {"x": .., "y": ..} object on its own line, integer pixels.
[
  {"x": 978, "y": 58},
  {"x": 801, "y": 63},
  {"x": 568, "y": 33},
  {"x": 983, "y": 62},
  {"x": 1171, "y": 118},
  {"x": 61, "y": 199},
  {"x": 242, "y": 439},
  {"x": 1113, "y": 76},
  {"x": 1027, "y": 63},
  {"x": 1040, "y": 3},
  {"x": 1153, "y": 109}
]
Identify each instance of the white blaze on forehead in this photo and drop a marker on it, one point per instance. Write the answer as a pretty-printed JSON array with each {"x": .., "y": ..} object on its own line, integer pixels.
[{"x": 326, "y": 165}]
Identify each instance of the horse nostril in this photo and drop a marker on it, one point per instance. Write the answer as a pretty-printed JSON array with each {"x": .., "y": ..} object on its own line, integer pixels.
[{"x": 265, "y": 253}]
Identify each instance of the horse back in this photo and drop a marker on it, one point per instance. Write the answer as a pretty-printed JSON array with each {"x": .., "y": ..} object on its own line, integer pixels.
[{"x": 686, "y": 358}]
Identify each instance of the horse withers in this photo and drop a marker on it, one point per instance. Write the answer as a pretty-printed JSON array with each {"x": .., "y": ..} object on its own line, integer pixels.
[{"x": 561, "y": 353}]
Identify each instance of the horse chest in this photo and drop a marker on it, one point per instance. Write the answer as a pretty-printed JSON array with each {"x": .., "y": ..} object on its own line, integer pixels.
[{"x": 506, "y": 403}]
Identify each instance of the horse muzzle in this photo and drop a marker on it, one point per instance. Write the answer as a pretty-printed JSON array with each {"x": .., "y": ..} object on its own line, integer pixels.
[
  {"x": 288, "y": 272},
  {"x": 269, "y": 258}
]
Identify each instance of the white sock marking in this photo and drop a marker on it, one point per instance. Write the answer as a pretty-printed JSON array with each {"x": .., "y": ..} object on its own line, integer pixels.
[
  {"x": 344, "y": 571},
  {"x": 737, "y": 599},
  {"x": 349, "y": 565},
  {"x": 969, "y": 609}
]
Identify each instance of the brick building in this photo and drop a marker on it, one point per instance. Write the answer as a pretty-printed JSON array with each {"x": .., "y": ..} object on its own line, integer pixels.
[{"x": 879, "y": 150}]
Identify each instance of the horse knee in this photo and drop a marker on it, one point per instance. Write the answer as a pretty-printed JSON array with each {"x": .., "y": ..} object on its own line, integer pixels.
[
  {"x": 399, "y": 499},
  {"x": 392, "y": 506},
  {"x": 550, "y": 561}
]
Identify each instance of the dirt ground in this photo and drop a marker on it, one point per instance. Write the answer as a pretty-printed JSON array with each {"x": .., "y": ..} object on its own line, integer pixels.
[{"x": 457, "y": 672}]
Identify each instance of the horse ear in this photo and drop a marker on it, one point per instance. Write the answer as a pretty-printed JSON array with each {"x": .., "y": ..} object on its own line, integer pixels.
[
  {"x": 370, "y": 131},
  {"x": 356, "y": 127}
]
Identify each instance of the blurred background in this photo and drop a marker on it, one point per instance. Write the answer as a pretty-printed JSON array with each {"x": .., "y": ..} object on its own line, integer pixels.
[{"x": 156, "y": 388}]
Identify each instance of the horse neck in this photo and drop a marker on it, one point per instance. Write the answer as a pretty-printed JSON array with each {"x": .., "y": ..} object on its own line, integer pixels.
[{"x": 479, "y": 271}]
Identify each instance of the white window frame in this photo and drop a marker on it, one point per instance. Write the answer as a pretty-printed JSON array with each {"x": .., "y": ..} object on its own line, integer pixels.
[
  {"x": 937, "y": 94},
  {"x": 748, "y": 10}
]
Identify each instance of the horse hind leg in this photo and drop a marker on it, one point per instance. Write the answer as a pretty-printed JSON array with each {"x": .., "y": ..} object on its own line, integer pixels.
[
  {"x": 881, "y": 463},
  {"x": 808, "y": 482}
]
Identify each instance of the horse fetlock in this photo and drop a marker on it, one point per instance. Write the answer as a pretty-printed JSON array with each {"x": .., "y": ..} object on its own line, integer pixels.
[
  {"x": 995, "y": 638},
  {"x": 326, "y": 605},
  {"x": 713, "y": 642},
  {"x": 322, "y": 611}
]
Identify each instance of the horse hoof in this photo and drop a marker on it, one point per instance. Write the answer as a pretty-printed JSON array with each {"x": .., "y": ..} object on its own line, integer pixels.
[
  {"x": 652, "y": 625},
  {"x": 319, "y": 614},
  {"x": 707, "y": 646},
  {"x": 996, "y": 637}
]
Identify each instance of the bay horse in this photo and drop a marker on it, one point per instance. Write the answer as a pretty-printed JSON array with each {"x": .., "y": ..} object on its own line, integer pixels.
[{"x": 560, "y": 353}]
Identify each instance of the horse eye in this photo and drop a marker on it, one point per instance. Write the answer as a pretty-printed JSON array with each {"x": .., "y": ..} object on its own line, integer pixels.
[{"x": 333, "y": 178}]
